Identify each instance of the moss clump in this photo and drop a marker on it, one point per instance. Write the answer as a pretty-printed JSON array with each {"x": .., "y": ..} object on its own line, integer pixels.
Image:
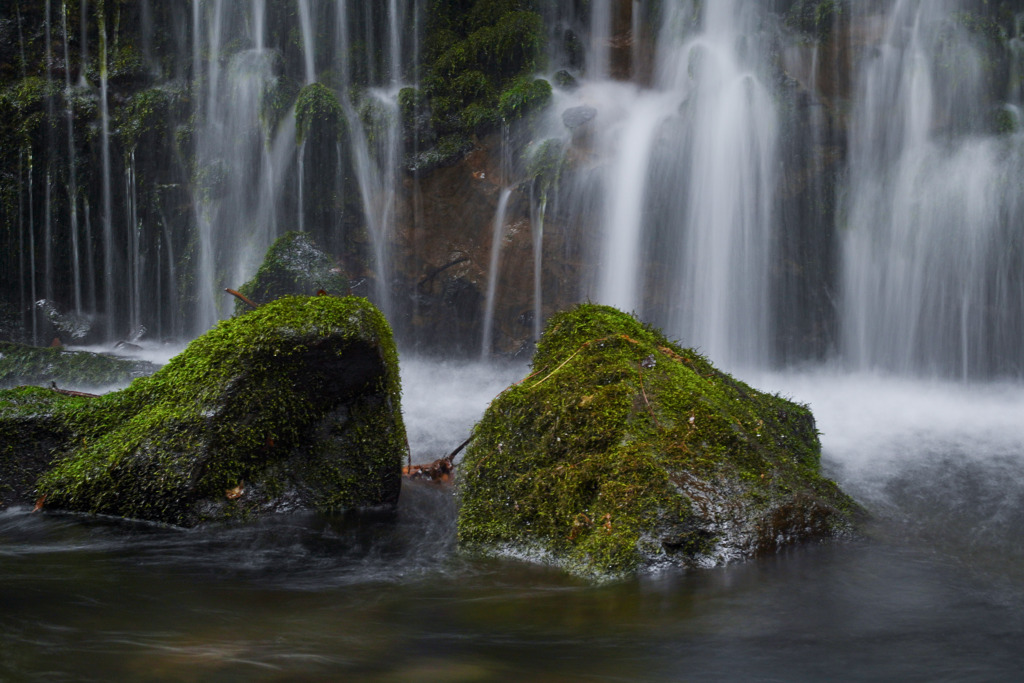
[
  {"x": 21, "y": 364},
  {"x": 623, "y": 451},
  {"x": 814, "y": 17},
  {"x": 294, "y": 405},
  {"x": 479, "y": 56},
  {"x": 293, "y": 265},
  {"x": 317, "y": 107},
  {"x": 524, "y": 96}
]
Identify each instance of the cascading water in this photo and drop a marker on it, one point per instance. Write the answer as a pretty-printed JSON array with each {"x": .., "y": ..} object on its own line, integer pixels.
[
  {"x": 932, "y": 247},
  {"x": 497, "y": 237},
  {"x": 700, "y": 146},
  {"x": 691, "y": 173},
  {"x": 109, "y": 276}
]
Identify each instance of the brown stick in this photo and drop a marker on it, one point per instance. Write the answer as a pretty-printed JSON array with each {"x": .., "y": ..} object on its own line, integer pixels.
[
  {"x": 241, "y": 296},
  {"x": 451, "y": 456},
  {"x": 643, "y": 392},
  {"x": 66, "y": 392}
]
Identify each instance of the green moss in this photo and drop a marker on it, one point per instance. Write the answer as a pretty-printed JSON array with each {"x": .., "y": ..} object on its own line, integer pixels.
[
  {"x": 21, "y": 364},
  {"x": 293, "y": 265},
  {"x": 523, "y": 96},
  {"x": 814, "y": 17},
  {"x": 476, "y": 53},
  {"x": 318, "y": 106},
  {"x": 148, "y": 111},
  {"x": 609, "y": 456},
  {"x": 296, "y": 404}
]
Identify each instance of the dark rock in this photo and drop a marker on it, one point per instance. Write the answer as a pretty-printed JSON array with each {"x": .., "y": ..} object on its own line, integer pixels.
[
  {"x": 574, "y": 117},
  {"x": 82, "y": 370},
  {"x": 294, "y": 265}
]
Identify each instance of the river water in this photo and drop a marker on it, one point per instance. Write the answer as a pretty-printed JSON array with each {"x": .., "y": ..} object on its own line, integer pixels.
[{"x": 934, "y": 591}]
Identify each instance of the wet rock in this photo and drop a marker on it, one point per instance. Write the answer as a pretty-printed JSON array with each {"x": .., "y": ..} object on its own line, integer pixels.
[
  {"x": 575, "y": 117},
  {"x": 294, "y": 265},
  {"x": 294, "y": 405},
  {"x": 82, "y": 370},
  {"x": 623, "y": 452},
  {"x": 33, "y": 427}
]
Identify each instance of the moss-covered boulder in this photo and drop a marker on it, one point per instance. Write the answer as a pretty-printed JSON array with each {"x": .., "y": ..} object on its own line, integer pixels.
[
  {"x": 21, "y": 364},
  {"x": 294, "y": 405},
  {"x": 624, "y": 452},
  {"x": 294, "y": 265}
]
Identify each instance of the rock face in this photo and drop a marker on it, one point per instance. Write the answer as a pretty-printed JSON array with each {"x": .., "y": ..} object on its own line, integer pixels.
[
  {"x": 294, "y": 265},
  {"x": 294, "y": 405},
  {"x": 21, "y": 364},
  {"x": 624, "y": 452}
]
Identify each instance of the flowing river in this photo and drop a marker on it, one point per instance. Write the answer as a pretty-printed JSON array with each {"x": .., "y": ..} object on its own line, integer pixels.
[{"x": 934, "y": 591}]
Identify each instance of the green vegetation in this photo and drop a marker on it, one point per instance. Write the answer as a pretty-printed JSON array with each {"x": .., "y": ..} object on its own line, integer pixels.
[
  {"x": 622, "y": 451},
  {"x": 296, "y": 404},
  {"x": 480, "y": 56},
  {"x": 814, "y": 17},
  {"x": 315, "y": 107}
]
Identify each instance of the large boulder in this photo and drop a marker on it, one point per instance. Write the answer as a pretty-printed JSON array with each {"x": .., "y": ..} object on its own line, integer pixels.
[
  {"x": 293, "y": 405},
  {"x": 22, "y": 364},
  {"x": 624, "y": 452},
  {"x": 293, "y": 265}
]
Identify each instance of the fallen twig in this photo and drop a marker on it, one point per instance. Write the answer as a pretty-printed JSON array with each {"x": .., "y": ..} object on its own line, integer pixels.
[
  {"x": 66, "y": 392},
  {"x": 241, "y": 296}
]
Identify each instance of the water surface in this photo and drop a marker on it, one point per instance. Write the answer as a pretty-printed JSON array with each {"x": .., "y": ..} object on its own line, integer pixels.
[{"x": 935, "y": 591}]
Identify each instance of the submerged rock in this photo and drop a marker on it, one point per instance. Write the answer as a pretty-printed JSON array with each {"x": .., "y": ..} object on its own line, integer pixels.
[
  {"x": 294, "y": 265},
  {"x": 294, "y": 405},
  {"x": 624, "y": 452},
  {"x": 21, "y": 364}
]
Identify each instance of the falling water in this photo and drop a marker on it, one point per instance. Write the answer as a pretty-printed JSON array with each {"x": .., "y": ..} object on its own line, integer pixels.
[
  {"x": 931, "y": 278},
  {"x": 691, "y": 170},
  {"x": 308, "y": 44},
  {"x": 48, "y": 193},
  {"x": 32, "y": 250},
  {"x": 621, "y": 259},
  {"x": 134, "y": 252},
  {"x": 493, "y": 271},
  {"x": 538, "y": 263},
  {"x": 76, "y": 262},
  {"x": 83, "y": 41},
  {"x": 108, "y": 208}
]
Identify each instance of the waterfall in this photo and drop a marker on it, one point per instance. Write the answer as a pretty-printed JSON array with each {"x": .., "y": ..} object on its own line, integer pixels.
[
  {"x": 308, "y": 44},
  {"x": 109, "y": 276},
  {"x": 931, "y": 260},
  {"x": 493, "y": 272},
  {"x": 691, "y": 172},
  {"x": 76, "y": 261},
  {"x": 764, "y": 192}
]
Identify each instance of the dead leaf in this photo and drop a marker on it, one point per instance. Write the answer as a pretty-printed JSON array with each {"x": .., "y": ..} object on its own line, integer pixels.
[{"x": 235, "y": 493}]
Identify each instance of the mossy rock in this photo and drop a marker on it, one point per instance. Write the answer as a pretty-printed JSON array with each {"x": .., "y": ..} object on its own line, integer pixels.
[
  {"x": 294, "y": 265},
  {"x": 34, "y": 424},
  {"x": 624, "y": 452},
  {"x": 22, "y": 364},
  {"x": 295, "y": 405}
]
